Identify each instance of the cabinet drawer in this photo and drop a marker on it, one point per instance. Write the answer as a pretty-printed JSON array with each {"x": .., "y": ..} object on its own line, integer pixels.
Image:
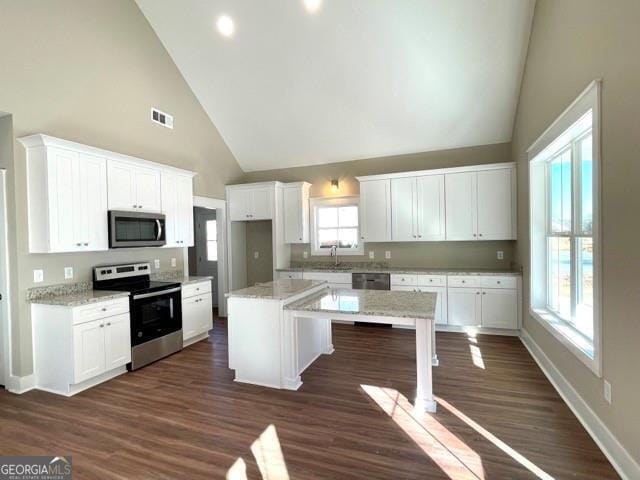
[
  {"x": 462, "y": 281},
  {"x": 331, "y": 277},
  {"x": 399, "y": 280},
  {"x": 499, "y": 282},
  {"x": 194, "y": 289},
  {"x": 432, "y": 280},
  {"x": 290, "y": 275},
  {"x": 96, "y": 311}
]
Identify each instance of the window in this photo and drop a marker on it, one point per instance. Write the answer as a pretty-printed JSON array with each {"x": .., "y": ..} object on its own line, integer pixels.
[
  {"x": 212, "y": 240},
  {"x": 564, "y": 246},
  {"x": 335, "y": 222}
]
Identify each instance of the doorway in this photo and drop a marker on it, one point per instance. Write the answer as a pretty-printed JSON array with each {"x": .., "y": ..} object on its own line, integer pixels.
[{"x": 203, "y": 256}]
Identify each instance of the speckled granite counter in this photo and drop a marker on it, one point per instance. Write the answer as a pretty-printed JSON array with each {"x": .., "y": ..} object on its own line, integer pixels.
[
  {"x": 188, "y": 280},
  {"x": 277, "y": 290},
  {"x": 179, "y": 276},
  {"x": 77, "y": 298},
  {"x": 370, "y": 302},
  {"x": 401, "y": 270}
]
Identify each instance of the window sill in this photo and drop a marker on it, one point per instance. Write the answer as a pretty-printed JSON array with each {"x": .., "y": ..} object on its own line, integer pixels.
[{"x": 575, "y": 342}]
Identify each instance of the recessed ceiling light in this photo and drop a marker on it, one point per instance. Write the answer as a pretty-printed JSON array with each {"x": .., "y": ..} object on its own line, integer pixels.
[
  {"x": 312, "y": 6},
  {"x": 225, "y": 25}
]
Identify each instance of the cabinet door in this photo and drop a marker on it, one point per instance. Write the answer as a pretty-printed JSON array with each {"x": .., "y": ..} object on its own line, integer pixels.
[
  {"x": 261, "y": 203},
  {"x": 205, "y": 317},
  {"x": 375, "y": 211},
  {"x": 292, "y": 204},
  {"x": 88, "y": 350},
  {"x": 190, "y": 320},
  {"x": 500, "y": 308},
  {"x": 63, "y": 199},
  {"x": 495, "y": 204},
  {"x": 403, "y": 210},
  {"x": 93, "y": 194},
  {"x": 461, "y": 206},
  {"x": 169, "y": 186},
  {"x": 147, "y": 185},
  {"x": 430, "y": 214},
  {"x": 117, "y": 340},
  {"x": 121, "y": 186},
  {"x": 185, "y": 211},
  {"x": 441, "y": 303},
  {"x": 464, "y": 306},
  {"x": 239, "y": 202}
]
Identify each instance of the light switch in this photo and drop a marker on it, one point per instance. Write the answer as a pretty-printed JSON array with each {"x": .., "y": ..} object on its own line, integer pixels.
[
  {"x": 156, "y": 263},
  {"x": 500, "y": 255},
  {"x": 256, "y": 255},
  {"x": 305, "y": 254},
  {"x": 68, "y": 273},
  {"x": 173, "y": 262},
  {"x": 387, "y": 254},
  {"x": 38, "y": 276},
  {"x": 372, "y": 254}
]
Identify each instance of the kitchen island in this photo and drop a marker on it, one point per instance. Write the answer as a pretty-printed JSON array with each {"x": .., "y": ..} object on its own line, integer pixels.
[{"x": 278, "y": 329}]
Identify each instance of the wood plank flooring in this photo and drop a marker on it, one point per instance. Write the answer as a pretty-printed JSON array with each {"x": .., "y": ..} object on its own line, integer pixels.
[{"x": 184, "y": 417}]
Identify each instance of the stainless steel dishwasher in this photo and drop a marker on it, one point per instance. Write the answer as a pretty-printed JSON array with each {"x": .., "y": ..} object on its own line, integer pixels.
[{"x": 371, "y": 281}]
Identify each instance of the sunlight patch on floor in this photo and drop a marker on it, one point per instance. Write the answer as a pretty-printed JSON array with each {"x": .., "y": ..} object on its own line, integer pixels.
[
  {"x": 268, "y": 454},
  {"x": 476, "y": 356}
]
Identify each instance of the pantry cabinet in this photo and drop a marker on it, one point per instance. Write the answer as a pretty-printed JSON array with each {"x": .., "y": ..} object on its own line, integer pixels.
[
  {"x": 375, "y": 210},
  {"x": 177, "y": 206},
  {"x": 295, "y": 203}
]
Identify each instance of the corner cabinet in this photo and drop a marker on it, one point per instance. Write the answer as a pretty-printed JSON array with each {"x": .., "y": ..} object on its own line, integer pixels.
[
  {"x": 177, "y": 206},
  {"x": 375, "y": 210},
  {"x": 295, "y": 208},
  {"x": 133, "y": 187}
]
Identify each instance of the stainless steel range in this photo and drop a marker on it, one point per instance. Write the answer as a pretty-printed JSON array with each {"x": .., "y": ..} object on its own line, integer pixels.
[{"x": 155, "y": 309}]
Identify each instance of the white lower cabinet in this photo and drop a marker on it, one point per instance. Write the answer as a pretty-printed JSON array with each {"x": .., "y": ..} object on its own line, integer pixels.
[
  {"x": 197, "y": 312},
  {"x": 78, "y": 347},
  {"x": 499, "y": 308},
  {"x": 464, "y": 306},
  {"x": 290, "y": 275}
]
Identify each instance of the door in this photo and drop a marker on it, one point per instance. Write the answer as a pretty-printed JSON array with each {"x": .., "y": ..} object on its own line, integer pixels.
[
  {"x": 375, "y": 211},
  {"x": 500, "y": 308},
  {"x": 441, "y": 304},
  {"x": 240, "y": 200},
  {"x": 403, "y": 210},
  {"x": 495, "y": 203},
  {"x": 63, "y": 178},
  {"x": 92, "y": 216},
  {"x": 121, "y": 186},
  {"x": 147, "y": 185},
  {"x": 461, "y": 206},
  {"x": 430, "y": 214},
  {"x": 117, "y": 340},
  {"x": 292, "y": 207},
  {"x": 88, "y": 350},
  {"x": 205, "y": 260},
  {"x": 464, "y": 306},
  {"x": 261, "y": 201}
]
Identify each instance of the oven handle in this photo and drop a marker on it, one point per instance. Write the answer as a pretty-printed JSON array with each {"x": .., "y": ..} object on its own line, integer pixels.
[
  {"x": 159, "y": 225},
  {"x": 156, "y": 294}
]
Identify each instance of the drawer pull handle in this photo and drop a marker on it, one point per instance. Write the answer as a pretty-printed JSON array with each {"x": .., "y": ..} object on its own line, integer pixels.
[
  {"x": 498, "y": 282},
  {"x": 104, "y": 309}
]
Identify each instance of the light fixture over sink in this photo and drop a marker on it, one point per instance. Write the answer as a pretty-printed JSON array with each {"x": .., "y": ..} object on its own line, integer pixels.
[{"x": 335, "y": 185}]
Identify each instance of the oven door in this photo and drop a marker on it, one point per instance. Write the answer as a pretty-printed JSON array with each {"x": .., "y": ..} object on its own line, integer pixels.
[
  {"x": 136, "y": 229},
  {"x": 155, "y": 315}
]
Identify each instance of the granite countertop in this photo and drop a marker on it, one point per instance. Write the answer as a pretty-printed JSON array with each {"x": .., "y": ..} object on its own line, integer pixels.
[
  {"x": 276, "y": 290},
  {"x": 193, "y": 279},
  {"x": 370, "y": 302},
  {"x": 401, "y": 270},
  {"x": 79, "y": 298}
]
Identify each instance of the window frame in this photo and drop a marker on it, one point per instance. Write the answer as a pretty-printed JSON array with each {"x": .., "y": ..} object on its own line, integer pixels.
[
  {"x": 541, "y": 152},
  {"x": 314, "y": 204},
  {"x": 208, "y": 241}
]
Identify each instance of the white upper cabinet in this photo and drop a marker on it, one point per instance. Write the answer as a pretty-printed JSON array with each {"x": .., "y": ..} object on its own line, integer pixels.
[
  {"x": 177, "y": 206},
  {"x": 375, "y": 210},
  {"x": 417, "y": 208},
  {"x": 496, "y": 204},
  {"x": 133, "y": 187},
  {"x": 251, "y": 202},
  {"x": 295, "y": 202},
  {"x": 67, "y": 193},
  {"x": 462, "y": 207}
]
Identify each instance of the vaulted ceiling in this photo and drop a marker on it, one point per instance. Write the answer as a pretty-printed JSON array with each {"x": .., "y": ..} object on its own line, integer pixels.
[{"x": 356, "y": 79}]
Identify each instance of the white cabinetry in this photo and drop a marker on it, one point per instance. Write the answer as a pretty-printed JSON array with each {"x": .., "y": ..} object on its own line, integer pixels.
[
  {"x": 295, "y": 199},
  {"x": 67, "y": 198},
  {"x": 427, "y": 284},
  {"x": 250, "y": 202},
  {"x": 133, "y": 187},
  {"x": 78, "y": 347},
  {"x": 417, "y": 208},
  {"x": 197, "y": 311},
  {"x": 177, "y": 205},
  {"x": 464, "y": 306},
  {"x": 375, "y": 210},
  {"x": 289, "y": 275}
]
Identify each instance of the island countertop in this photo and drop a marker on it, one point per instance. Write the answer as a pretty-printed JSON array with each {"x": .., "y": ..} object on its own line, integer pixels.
[
  {"x": 387, "y": 303},
  {"x": 276, "y": 290}
]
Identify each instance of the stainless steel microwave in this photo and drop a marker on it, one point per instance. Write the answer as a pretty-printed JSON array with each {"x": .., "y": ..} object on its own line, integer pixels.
[{"x": 136, "y": 229}]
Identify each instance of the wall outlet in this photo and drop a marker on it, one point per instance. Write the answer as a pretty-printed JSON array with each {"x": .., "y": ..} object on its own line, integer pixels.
[
  {"x": 387, "y": 254},
  {"x": 500, "y": 255},
  {"x": 156, "y": 263},
  {"x": 305, "y": 254},
  {"x": 256, "y": 255},
  {"x": 38, "y": 276},
  {"x": 68, "y": 273},
  {"x": 372, "y": 254},
  {"x": 607, "y": 392},
  {"x": 173, "y": 262}
]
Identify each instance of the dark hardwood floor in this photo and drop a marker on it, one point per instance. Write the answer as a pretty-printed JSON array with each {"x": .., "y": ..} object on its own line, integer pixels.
[{"x": 184, "y": 417}]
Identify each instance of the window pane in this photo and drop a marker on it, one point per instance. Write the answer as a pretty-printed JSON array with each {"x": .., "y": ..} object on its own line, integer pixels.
[
  {"x": 566, "y": 191},
  {"x": 212, "y": 250},
  {"x": 327, "y": 217},
  {"x": 327, "y": 237},
  {"x": 212, "y": 230},
  {"x": 348, "y": 216},
  {"x": 559, "y": 282},
  {"x": 555, "y": 194},
  {"x": 348, "y": 237},
  {"x": 584, "y": 307},
  {"x": 586, "y": 184}
]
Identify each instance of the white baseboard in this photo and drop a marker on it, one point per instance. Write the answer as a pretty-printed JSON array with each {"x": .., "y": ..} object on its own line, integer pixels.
[
  {"x": 21, "y": 385},
  {"x": 622, "y": 461}
]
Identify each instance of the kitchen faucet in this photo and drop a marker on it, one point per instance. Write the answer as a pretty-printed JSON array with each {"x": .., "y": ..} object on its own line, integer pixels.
[{"x": 334, "y": 253}]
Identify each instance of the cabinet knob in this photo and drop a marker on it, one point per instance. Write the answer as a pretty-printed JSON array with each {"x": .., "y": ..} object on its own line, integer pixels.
[
  {"x": 104, "y": 309},
  {"x": 464, "y": 281},
  {"x": 134, "y": 206},
  {"x": 78, "y": 244},
  {"x": 474, "y": 234},
  {"x": 484, "y": 293},
  {"x": 477, "y": 293},
  {"x": 498, "y": 282},
  {"x": 109, "y": 324},
  {"x": 479, "y": 234},
  {"x": 102, "y": 325},
  {"x": 86, "y": 244}
]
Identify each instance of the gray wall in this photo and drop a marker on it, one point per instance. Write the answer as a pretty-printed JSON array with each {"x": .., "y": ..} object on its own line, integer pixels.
[
  {"x": 89, "y": 71},
  {"x": 259, "y": 239},
  {"x": 572, "y": 43}
]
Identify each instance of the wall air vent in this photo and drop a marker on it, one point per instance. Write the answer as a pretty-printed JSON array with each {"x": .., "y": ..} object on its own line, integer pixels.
[{"x": 162, "y": 118}]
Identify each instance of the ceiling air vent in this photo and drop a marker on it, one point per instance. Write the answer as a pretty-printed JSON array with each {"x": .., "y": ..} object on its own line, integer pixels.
[{"x": 162, "y": 118}]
